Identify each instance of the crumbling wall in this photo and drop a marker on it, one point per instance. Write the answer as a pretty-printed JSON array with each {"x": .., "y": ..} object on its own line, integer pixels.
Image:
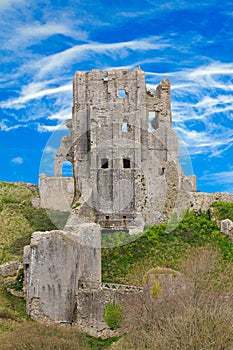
[
  {"x": 91, "y": 304},
  {"x": 56, "y": 263},
  {"x": 203, "y": 200},
  {"x": 56, "y": 193}
]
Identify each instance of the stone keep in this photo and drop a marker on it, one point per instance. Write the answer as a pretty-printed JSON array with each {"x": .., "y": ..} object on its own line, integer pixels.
[{"x": 123, "y": 150}]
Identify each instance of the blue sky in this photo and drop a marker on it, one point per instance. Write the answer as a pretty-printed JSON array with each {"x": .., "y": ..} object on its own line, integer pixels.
[{"x": 42, "y": 44}]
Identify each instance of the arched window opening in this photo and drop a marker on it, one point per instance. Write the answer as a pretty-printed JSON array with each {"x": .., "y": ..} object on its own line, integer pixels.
[
  {"x": 104, "y": 163},
  {"x": 67, "y": 169},
  {"x": 126, "y": 163}
]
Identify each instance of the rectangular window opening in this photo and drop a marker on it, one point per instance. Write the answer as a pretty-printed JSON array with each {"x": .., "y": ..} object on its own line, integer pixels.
[
  {"x": 124, "y": 220},
  {"x": 105, "y": 78},
  {"x": 104, "y": 163},
  {"x": 126, "y": 163},
  {"x": 125, "y": 127},
  {"x": 153, "y": 121},
  {"x": 161, "y": 171},
  {"x": 121, "y": 93}
]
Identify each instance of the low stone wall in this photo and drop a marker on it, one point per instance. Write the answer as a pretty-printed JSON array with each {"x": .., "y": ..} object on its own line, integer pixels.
[
  {"x": 91, "y": 304},
  {"x": 203, "y": 201}
]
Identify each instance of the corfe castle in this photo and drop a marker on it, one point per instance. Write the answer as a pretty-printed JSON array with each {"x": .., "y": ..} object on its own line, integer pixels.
[{"x": 126, "y": 174}]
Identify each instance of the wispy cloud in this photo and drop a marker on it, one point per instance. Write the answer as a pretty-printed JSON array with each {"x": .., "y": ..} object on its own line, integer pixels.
[
  {"x": 200, "y": 97},
  {"x": 17, "y": 160},
  {"x": 5, "y": 127},
  {"x": 6, "y": 4},
  {"x": 28, "y": 95},
  {"x": 51, "y": 128},
  {"x": 222, "y": 179},
  {"x": 62, "y": 115},
  {"x": 25, "y": 35},
  {"x": 77, "y": 52}
]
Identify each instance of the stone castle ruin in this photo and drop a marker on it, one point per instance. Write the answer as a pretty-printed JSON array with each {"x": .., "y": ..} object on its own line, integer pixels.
[
  {"x": 123, "y": 151},
  {"x": 126, "y": 174}
]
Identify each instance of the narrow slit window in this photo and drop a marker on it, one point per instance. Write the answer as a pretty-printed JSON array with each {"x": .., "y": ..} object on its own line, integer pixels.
[
  {"x": 126, "y": 163},
  {"x": 104, "y": 163},
  {"x": 121, "y": 93},
  {"x": 161, "y": 171}
]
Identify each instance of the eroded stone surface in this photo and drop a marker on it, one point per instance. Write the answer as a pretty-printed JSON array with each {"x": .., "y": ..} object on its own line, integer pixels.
[{"x": 10, "y": 268}]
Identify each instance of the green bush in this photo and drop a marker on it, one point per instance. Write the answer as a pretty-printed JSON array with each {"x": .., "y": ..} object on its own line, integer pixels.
[
  {"x": 223, "y": 210},
  {"x": 114, "y": 315}
]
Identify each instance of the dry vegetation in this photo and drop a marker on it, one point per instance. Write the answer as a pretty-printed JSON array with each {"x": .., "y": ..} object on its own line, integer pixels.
[{"x": 203, "y": 319}]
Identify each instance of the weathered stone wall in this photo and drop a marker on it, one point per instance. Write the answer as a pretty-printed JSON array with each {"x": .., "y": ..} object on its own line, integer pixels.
[
  {"x": 91, "y": 304},
  {"x": 56, "y": 193},
  {"x": 10, "y": 268},
  {"x": 203, "y": 201},
  {"x": 56, "y": 263},
  {"x": 226, "y": 227}
]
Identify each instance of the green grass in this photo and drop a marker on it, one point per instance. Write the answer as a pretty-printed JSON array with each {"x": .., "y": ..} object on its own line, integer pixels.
[
  {"x": 18, "y": 220},
  {"x": 223, "y": 210},
  {"x": 157, "y": 247}
]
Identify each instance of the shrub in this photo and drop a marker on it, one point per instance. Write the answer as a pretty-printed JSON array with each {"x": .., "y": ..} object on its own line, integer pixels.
[
  {"x": 201, "y": 320},
  {"x": 114, "y": 315},
  {"x": 223, "y": 210}
]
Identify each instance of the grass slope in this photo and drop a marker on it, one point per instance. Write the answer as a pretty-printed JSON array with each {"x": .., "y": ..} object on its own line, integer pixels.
[
  {"x": 18, "y": 220},
  {"x": 157, "y": 247}
]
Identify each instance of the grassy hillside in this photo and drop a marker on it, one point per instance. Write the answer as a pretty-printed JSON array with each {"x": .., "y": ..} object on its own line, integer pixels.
[
  {"x": 157, "y": 247},
  {"x": 18, "y": 219},
  {"x": 124, "y": 263}
]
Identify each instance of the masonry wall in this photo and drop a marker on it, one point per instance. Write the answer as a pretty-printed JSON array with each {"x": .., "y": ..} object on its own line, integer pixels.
[
  {"x": 90, "y": 309},
  {"x": 56, "y": 264},
  {"x": 56, "y": 193}
]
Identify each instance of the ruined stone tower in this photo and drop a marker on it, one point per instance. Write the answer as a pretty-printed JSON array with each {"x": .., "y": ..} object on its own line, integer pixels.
[{"x": 123, "y": 150}]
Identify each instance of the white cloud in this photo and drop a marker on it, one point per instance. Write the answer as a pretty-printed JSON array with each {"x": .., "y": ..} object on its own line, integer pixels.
[
  {"x": 50, "y": 128},
  {"x": 206, "y": 142},
  {"x": 77, "y": 52},
  {"x": 199, "y": 96},
  {"x": 28, "y": 95},
  {"x": 17, "y": 160},
  {"x": 5, "y": 127},
  {"x": 24, "y": 35},
  {"x": 63, "y": 114},
  {"x": 6, "y": 4},
  {"x": 216, "y": 68},
  {"x": 223, "y": 177}
]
